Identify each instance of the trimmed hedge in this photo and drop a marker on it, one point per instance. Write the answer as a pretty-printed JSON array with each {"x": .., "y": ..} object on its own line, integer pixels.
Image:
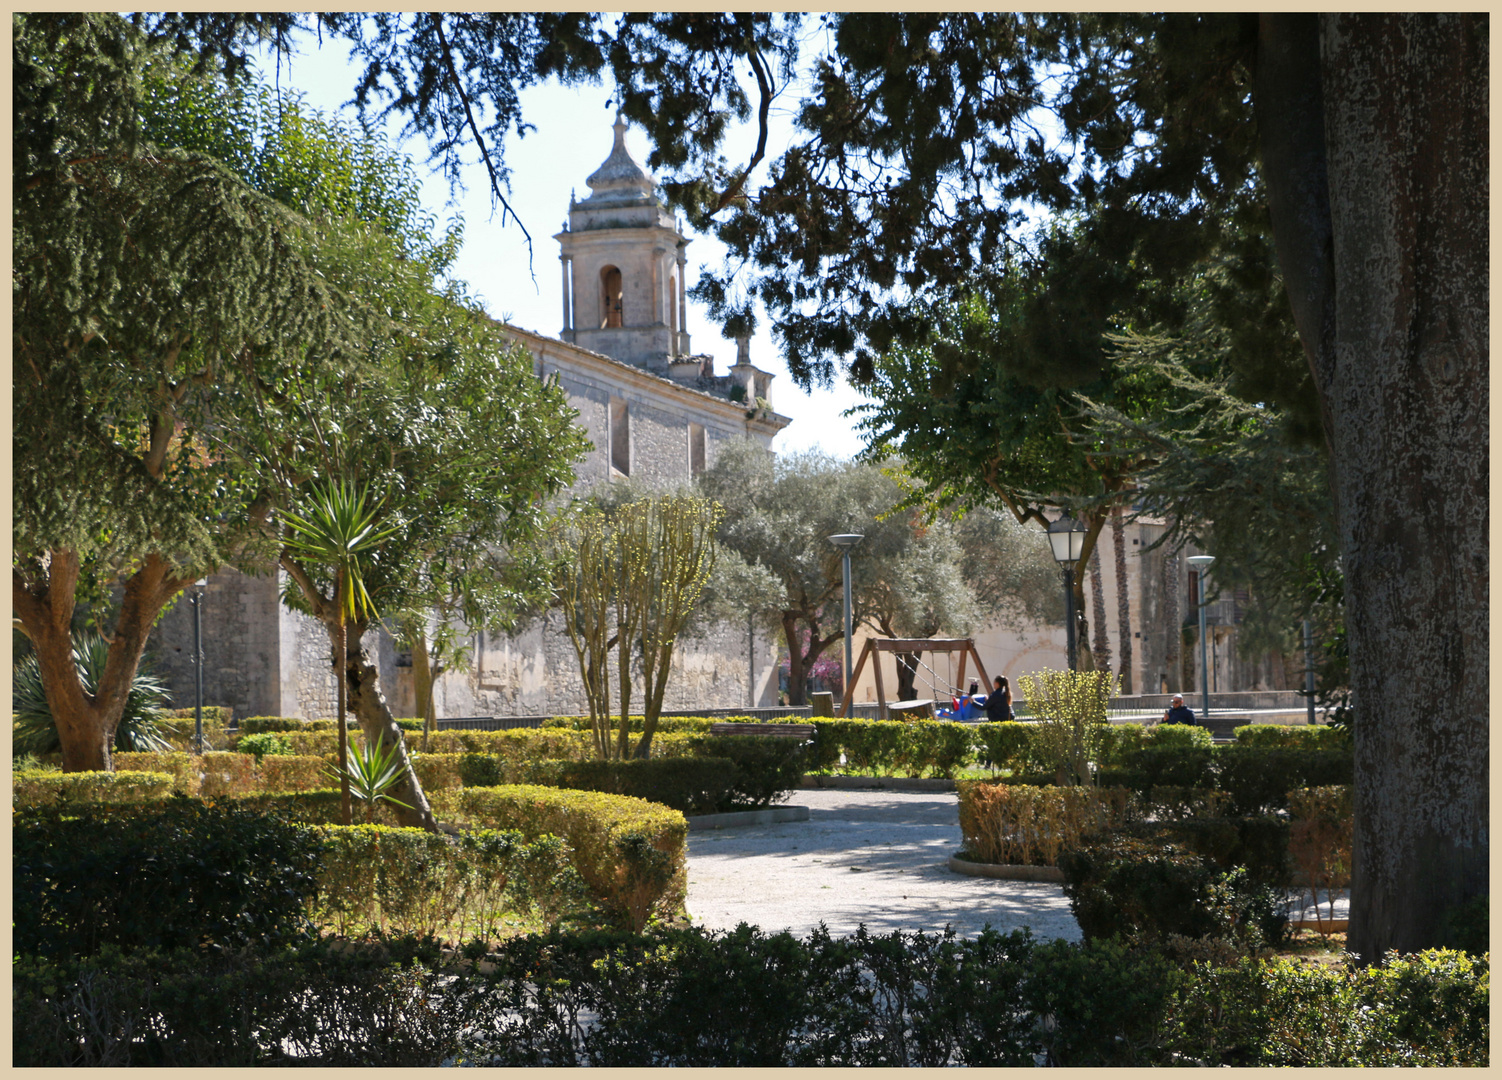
[
  {"x": 690, "y": 785},
  {"x": 317, "y": 807},
  {"x": 633, "y": 854},
  {"x": 180, "y": 764},
  {"x": 1153, "y": 889},
  {"x": 1004, "y": 823},
  {"x": 181, "y": 872},
  {"x": 409, "y": 881},
  {"x": 1293, "y": 737},
  {"x": 745, "y": 998},
  {"x": 35, "y": 788},
  {"x": 1256, "y": 780}
]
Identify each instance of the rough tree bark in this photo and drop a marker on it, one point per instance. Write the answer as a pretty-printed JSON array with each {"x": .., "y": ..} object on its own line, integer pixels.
[
  {"x": 366, "y": 701},
  {"x": 1123, "y": 600},
  {"x": 44, "y": 601},
  {"x": 1102, "y": 643},
  {"x": 1374, "y": 134},
  {"x": 1173, "y": 632}
]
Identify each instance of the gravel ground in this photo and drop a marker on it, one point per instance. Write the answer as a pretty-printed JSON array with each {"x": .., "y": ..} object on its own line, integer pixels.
[{"x": 872, "y": 857}]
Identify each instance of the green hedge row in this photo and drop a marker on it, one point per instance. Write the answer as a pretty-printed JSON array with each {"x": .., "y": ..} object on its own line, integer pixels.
[
  {"x": 747, "y": 999},
  {"x": 1256, "y": 780},
  {"x": 633, "y": 854}
]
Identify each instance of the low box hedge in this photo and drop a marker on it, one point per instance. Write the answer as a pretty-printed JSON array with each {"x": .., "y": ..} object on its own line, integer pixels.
[
  {"x": 409, "y": 881},
  {"x": 36, "y": 788},
  {"x": 1026, "y": 825},
  {"x": 632, "y": 853},
  {"x": 1293, "y": 737},
  {"x": 690, "y": 785}
]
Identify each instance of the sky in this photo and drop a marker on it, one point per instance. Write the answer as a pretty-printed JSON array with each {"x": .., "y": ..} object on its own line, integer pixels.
[{"x": 573, "y": 137}]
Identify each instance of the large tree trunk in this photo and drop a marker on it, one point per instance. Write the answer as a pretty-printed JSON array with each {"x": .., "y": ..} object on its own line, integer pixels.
[
  {"x": 1123, "y": 600},
  {"x": 1174, "y": 637},
  {"x": 378, "y": 726},
  {"x": 1102, "y": 643},
  {"x": 44, "y": 602},
  {"x": 1374, "y": 135}
]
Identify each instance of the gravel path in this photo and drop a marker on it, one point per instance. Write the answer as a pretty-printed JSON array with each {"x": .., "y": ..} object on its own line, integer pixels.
[{"x": 872, "y": 857}]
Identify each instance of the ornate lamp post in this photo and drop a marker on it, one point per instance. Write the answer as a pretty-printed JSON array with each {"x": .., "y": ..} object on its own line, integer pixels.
[
  {"x": 1067, "y": 537},
  {"x": 1202, "y": 563},
  {"x": 846, "y": 541}
]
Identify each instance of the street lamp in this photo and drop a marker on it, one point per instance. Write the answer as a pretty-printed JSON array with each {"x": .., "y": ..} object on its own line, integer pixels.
[
  {"x": 196, "y": 599},
  {"x": 845, "y": 541},
  {"x": 1067, "y": 537},
  {"x": 1202, "y": 563}
]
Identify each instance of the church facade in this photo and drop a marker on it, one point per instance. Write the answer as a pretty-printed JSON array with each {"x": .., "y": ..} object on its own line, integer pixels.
[{"x": 656, "y": 413}]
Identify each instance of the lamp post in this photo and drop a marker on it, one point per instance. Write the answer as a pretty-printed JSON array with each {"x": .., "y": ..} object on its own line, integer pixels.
[
  {"x": 196, "y": 599},
  {"x": 1067, "y": 537},
  {"x": 846, "y": 541},
  {"x": 1202, "y": 563}
]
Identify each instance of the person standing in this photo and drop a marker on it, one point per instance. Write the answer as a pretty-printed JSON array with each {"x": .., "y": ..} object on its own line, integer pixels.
[
  {"x": 1179, "y": 713},
  {"x": 999, "y": 702}
]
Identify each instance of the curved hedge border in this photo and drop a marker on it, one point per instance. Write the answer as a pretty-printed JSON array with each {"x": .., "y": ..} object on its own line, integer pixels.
[
  {"x": 633, "y": 854},
  {"x": 31, "y": 787}
]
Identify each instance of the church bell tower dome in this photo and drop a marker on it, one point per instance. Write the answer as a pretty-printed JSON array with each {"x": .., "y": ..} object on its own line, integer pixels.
[{"x": 623, "y": 266}]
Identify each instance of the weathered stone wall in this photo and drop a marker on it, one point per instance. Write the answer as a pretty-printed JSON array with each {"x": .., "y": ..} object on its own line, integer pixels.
[{"x": 242, "y": 651}]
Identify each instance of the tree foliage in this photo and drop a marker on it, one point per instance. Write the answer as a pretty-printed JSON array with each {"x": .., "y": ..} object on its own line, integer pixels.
[{"x": 627, "y": 582}]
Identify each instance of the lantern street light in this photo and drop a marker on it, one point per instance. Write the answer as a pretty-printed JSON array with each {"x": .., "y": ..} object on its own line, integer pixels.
[
  {"x": 196, "y": 599},
  {"x": 1202, "y": 563},
  {"x": 845, "y": 541},
  {"x": 1067, "y": 537}
]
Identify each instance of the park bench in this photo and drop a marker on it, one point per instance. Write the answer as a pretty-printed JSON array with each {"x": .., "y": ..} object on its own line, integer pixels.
[{"x": 787, "y": 731}]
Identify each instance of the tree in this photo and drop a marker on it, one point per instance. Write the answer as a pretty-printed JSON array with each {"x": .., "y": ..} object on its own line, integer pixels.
[
  {"x": 334, "y": 530},
  {"x": 627, "y": 582},
  {"x": 147, "y": 279},
  {"x": 1123, "y": 602},
  {"x": 920, "y": 145}
]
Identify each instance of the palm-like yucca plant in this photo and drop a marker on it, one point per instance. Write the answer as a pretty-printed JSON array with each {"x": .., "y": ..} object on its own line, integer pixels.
[
  {"x": 371, "y": 772},
  {"x": 36, "y": 731},
  {"x": 337, "y": 526}
]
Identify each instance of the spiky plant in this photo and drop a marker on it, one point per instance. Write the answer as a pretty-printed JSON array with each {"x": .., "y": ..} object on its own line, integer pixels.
[{"x": 36, "y": 731}]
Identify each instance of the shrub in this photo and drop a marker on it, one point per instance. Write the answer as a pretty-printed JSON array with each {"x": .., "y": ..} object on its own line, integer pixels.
[
  {"x": 871, "y": 747},
  {"x": 320, "y": 1004},
  {"x": 1148, "y": 889},
  {"x": 179, "y": 764},
  {"x": 1177, "y": 736},
  {"x": 630, "y": 852},
  {"x": 1177, "y": 803},
  {"x": 691, "y": 785},
  {"x": 934, "y": 746},
  {"x": 408, "y": 881},
  {"x": 1165, "y": 766},
  {"x": 317, "y": 807},
  {"x": 1259, "y": 780},
  {"x": 45, "y": 789},
  {"x": 1071, "y": 725},
  {"x": 1427, "y": 1009},
  {"x": 1004, "y": 823},
  {"x": 1293, "y": 737},
  {"x": 295, "y": 772},
  {"x": 1118, "y": 740},
  {"x": 180, "y": 725},
  {"x": 666, "y": 725},
  {"x": 1257, "y": 843},
  {"x": 187, "y": 872},
  {"x": 767, "y": 767},
  {"x": 261, "y": 744},
  {"x": 435, "y": 772},
  {"x": 1320, "y": 839},
  {"x": 226, "y": 774},
  {"x": 258, "y": 725},
  {"x": 1007, "y": 744}
]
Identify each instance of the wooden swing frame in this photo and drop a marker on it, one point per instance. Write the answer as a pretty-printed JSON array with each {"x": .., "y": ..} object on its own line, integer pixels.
[{"x": 964, "y": 646}]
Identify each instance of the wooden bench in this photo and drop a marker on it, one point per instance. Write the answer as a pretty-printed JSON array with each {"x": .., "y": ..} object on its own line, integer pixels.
[{"x": 787, "y": 731}]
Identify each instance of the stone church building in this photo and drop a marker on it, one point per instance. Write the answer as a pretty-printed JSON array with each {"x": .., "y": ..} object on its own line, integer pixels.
[{"x": 656, "y": 412}]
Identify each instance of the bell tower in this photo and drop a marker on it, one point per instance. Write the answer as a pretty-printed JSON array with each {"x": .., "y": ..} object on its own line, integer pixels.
[{"x": 623, "y": 267}]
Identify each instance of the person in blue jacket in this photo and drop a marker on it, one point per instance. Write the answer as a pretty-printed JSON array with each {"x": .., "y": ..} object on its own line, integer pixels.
[{"x": 1179, "y": 713}]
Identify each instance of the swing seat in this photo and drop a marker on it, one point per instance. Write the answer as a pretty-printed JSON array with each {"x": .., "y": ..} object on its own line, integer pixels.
[{"x": 899, "y": 710}]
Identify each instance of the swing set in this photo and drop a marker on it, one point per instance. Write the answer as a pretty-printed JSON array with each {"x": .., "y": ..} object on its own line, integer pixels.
[{"x": 918, "y": 646}]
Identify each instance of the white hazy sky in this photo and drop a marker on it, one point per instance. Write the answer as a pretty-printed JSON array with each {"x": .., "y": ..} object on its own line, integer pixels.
[{"x": 573, "y": 137}]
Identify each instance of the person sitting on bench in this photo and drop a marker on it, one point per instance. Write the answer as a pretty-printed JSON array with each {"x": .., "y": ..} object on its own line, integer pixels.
[{"x": 1179, "y": 713}]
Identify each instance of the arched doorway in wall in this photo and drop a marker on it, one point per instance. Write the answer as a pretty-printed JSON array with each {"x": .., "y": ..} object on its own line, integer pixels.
[{"x": 611, "y": 304}]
